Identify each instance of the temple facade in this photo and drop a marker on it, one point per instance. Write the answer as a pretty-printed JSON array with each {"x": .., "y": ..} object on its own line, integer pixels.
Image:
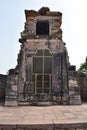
[{"x": 43, "y": 75}]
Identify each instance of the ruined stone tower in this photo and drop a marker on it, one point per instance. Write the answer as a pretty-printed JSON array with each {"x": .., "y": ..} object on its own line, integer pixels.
[{"x": 43, "y": 75}]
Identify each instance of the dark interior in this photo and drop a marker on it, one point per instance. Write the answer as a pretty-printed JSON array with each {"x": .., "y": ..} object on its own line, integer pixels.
[{"x": 42, "y": 28}]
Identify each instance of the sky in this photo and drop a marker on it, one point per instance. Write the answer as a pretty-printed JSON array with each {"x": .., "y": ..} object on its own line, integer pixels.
[{"x": 12, "y": 19}]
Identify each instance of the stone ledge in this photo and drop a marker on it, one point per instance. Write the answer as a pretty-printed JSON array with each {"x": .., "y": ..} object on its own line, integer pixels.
[{"x": 41, "y": 125}]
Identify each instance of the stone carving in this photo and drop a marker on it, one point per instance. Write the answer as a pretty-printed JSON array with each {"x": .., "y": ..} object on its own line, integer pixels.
[{"x": 27, "y": 89}]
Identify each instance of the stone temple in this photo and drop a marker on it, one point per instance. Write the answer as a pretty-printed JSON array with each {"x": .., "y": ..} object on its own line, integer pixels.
[{"x": 43, "y": 75}]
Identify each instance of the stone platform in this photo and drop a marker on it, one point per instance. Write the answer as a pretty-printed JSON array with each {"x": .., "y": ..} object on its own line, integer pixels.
[{"x": 47, "y": 117}]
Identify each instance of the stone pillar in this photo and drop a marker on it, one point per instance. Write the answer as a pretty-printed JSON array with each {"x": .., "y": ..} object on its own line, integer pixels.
[
  {"x": 74, "y": 90},
  {"x": 60, "y": 77},
  {"x": 22, "y": 73},
  {"x": 11, "y": 90},
  {"x": 56, "y": 73},
  {"x": 65, "y": 98}
]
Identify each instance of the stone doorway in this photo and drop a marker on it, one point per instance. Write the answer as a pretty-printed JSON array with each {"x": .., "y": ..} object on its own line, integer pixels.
[{"x": 42, "y": 72}]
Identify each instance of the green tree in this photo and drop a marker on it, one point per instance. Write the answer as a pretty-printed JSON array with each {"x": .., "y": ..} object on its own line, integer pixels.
[{"x": 83, "y": 67}]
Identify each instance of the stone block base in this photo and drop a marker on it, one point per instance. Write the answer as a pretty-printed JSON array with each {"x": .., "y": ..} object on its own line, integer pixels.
[
  {"x": 75, "y": 100},
  {"x": 11, "y": 103}
]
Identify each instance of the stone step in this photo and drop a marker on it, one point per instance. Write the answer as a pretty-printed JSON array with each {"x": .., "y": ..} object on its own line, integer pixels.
[{"x": 26, "y": 103}]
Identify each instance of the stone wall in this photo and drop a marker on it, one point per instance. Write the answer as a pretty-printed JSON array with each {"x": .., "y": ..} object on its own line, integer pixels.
[
  {"x": 82, "y": 82},
  {"x": 3, "y": 80}
]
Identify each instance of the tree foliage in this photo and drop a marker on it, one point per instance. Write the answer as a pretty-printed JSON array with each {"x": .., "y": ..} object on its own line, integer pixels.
[{"x": 83, "y": 67}]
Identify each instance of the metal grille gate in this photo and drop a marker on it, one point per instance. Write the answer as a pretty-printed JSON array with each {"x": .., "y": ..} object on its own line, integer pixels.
[{"x": 42, "y": 71}]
